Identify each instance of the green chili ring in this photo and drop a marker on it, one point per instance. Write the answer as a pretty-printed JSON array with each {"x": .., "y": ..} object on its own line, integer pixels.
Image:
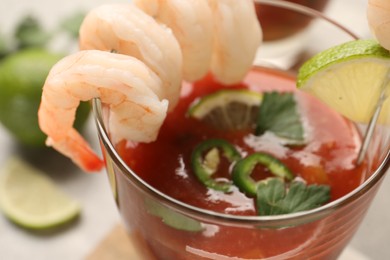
[
  {"x": 244, "y": 168},
  {"x": 228, "y": 150}
]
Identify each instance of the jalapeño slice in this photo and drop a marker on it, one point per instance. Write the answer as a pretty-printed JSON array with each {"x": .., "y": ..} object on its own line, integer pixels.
[
  {"x": 243, "y": 169},
  {"x": 205, "y": 161}
]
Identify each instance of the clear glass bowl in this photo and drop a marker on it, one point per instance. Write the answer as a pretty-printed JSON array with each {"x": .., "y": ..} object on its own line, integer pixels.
[{"x": 321, "y": 233}]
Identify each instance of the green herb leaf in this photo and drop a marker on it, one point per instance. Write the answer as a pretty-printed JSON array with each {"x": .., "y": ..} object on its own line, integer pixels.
[
  {"x": 4, "y": 47},
  {"x": 278, "y": 114},
  {"x": 72, "y": 24},
  {"x": 172, "y": 218},
  {"x": 29, "y": 33},
  {"x": 275, "y": 197}
]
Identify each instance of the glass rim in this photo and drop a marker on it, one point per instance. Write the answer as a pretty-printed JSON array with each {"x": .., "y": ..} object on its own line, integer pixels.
[{"x": 277, "y": 220}]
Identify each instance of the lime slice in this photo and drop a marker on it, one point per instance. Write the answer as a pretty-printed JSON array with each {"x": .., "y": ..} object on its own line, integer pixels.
[
  {"x": 31, "y": 199},
  {"x": 349, "y": 78},
  {"x": 228, "y": 109}
]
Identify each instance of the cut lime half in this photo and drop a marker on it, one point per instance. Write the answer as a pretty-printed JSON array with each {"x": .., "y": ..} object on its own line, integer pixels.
[
  {"x": 349, "y": 78},
  {"x": 228, "y": 109},
  {"x": 30, "y": 199}
]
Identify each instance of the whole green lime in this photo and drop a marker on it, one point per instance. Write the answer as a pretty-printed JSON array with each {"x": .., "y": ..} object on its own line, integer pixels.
[{"x": 22, "y": 76}]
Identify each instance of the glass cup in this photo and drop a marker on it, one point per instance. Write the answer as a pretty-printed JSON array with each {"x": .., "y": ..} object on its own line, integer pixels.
[{"x": 321, "y": 233}]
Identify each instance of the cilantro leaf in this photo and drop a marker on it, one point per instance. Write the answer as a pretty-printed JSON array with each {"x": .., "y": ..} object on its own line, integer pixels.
[
  {"x": 29, "y": 33},
  {"x": 173, "y": 218},
  {"x": 275, "y": 197},
  {"x": 278, "y": 114},
  {"x": 4, "y": 48}
]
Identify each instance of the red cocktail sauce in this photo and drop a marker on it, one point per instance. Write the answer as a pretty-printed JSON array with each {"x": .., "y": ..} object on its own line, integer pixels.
[{"x": 328, "y": 157}]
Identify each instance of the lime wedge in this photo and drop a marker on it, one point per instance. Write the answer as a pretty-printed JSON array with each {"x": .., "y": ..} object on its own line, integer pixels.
[
  {"x": 30, "y": 199},
  {"x": 228, "y": 109},
  {"x": 349, "y": 78}
]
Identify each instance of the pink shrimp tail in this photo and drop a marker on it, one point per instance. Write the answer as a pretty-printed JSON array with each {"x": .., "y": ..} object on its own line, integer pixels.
[{"x": 77, "y": 149}]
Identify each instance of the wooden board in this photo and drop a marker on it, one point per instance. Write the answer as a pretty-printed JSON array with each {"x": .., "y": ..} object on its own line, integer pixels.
[{"x": 119, "y": 245}]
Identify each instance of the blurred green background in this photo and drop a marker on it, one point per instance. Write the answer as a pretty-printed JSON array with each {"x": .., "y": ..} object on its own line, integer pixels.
[{"x": 26, "y": 55}]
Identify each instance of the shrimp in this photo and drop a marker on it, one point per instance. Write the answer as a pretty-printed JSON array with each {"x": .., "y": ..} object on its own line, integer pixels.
[
  {"x": 230, "y": 45},
  {"x": 134, "y": 64},
  {"x": 125, "y": 29},
  {"x": 192, "y": 24},
  {"x": 378, "y": 16},
  {"x": 237, "y": 37},
  {"x": 131, "y": 89}
]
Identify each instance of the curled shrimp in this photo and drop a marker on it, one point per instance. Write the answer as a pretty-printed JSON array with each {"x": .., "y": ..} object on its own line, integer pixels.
[
  {"x": 378, "y": 16},
  {"x": 191, "y": 23},
  {"x": 234, "y": 38},
  {"x": 237, "y": 38},
  {"x": 123, "y": 82},
  {"x": 134, "y": 64},
  {"x": 123, "y": 28}
]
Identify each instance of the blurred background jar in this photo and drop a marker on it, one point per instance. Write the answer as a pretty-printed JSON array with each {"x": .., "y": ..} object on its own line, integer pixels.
[
  {"x": 281, "y": 23},
  {"x": 285, "y": 33}
]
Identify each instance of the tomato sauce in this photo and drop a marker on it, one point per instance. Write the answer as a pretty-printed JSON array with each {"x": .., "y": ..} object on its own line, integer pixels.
[{"x": 327, "y": 158}]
